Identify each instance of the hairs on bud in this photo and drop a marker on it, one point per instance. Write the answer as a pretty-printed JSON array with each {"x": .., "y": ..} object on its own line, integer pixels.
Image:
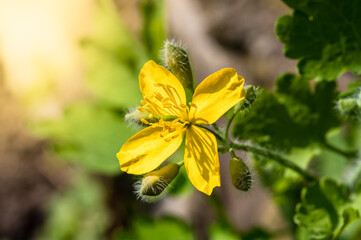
[
  {"x": 163, "y": 52},
  {"x": 349, "y": 105},
  {"x": 139, "y": 189},
  {"x": 244, "y": 182},
  {"x": 348, "y": 108},
  {"x": 246, "y": 104},
  {"x": 154, "y": 184},
  {"x": 240, "y": 174},
  {"x": 176, "y": 59}
]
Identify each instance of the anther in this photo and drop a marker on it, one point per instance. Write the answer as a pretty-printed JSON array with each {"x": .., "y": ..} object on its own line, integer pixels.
[{"x": 145, "y": 122}]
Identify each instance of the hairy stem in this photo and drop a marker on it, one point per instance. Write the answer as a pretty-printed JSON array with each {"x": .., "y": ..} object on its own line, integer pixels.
[
  {"x": 231, "y": 151},
  {"x": 347, "y": 154},
  {"x": 230, "y": 120},
  {"x": 216, "y": 127},
  {"x": 276, "y": 157}
]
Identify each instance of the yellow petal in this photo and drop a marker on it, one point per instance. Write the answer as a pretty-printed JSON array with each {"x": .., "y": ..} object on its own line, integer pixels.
[
  {"x": 215, "y": 95},
  {"x": 201, "y": 159},
  {"x": 162, "y": 90},
  {"x": 148, "y": 148}
]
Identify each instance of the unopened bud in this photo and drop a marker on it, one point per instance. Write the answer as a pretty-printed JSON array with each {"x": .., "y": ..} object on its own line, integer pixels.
[
  {"x": 240, "y": 174},
  {"x": 251, "y": 94},
  {"x": 176, "y": 59},
  {"x": 346, "y": 105},
  {"x": 155, "y": 182}
]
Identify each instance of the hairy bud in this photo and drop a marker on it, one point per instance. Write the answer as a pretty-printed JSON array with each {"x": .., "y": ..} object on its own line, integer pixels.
[
  {"x": 154, "y": 183},
  {"x": 347, "y": 105},
  {"x": 251, "y": 95},
  {"x": 240, "y": 174},
  {"x": 176, "y": 59}
]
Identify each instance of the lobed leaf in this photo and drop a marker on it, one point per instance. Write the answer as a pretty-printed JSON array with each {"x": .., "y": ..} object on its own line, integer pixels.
[
  {"x": 324, "y": 35},
  {"x": 325, "y": 209},
  {"x": 294, "y": 116}
]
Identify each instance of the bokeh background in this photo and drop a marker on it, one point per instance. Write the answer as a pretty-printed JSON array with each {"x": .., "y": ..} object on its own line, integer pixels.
[{"x": 68, "y": 73}]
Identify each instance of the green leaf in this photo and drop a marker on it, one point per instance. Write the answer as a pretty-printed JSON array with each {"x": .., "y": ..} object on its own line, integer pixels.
[
  {"x": 285, "y": 184},
  {"x": 267, "y": 122},
  {"x": 324, "y": 35},
  {"x": 87, "y": 135},
  {"x": 325, "y": 209},
  {"x": 295, "y": 116},
  {"x": 349, "y": 104},
  {"x": 349, "y": 215}
]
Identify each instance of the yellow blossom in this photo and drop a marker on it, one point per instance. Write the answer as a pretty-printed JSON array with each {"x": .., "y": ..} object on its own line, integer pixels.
[{"x": 164, "y": 97}]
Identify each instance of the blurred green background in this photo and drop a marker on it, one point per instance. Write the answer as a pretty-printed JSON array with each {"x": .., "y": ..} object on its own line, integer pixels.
[{"x": 69, "y": 73}]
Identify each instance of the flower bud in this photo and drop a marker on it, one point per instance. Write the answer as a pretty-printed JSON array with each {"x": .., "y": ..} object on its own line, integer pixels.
[
  {"x": 155, "y": 182},
  {"x": 251, "y": 93},
  {"x": 240, "y": 174},
  {"x": 346, "y": 105},
  {"x": 176, "y": 59}
]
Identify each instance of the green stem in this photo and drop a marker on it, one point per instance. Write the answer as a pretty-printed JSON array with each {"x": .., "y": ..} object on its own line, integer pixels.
[
  {"x": 348, "y": 154},
  {"x": 276, "y": 157},
  {"x": 219, "y": 137},
  {"x": 216, "y": 127},
  {"x": 230, "y": 120},
  {"x": 231, "y": 150},
  {"x": 181, "y": 163}
]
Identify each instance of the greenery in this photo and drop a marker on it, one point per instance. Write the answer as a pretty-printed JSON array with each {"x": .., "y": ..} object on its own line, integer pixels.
[{"x": 303, "y": 137}]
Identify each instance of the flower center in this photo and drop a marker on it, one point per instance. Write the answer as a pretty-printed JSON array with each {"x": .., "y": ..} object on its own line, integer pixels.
[{"x": 170, "y": 129}]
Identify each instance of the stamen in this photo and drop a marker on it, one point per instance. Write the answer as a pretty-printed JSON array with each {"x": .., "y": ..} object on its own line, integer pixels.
[
  {"x": 175, "y": 91},
  {"x": 153, "y": 111},
  {"x": 145, "y": 122},
  {"x": 158, "y": 96},
  {"x": 171, "y": 95},
  {"x": 164, "y": 133},
  {"x": 158, "y": 84},
  {"x": 193, "y": 105},
  {"x": 142, "y": 109},
  {"x": 160, "y": 104},
  {"x": 153, "y": 107},
  {"x": 167, "y": 105},
  {"x": 194, "y": 109}
]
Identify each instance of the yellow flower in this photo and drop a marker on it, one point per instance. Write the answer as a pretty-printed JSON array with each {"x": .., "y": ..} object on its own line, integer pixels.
[{"x": 164, "y": 97}]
